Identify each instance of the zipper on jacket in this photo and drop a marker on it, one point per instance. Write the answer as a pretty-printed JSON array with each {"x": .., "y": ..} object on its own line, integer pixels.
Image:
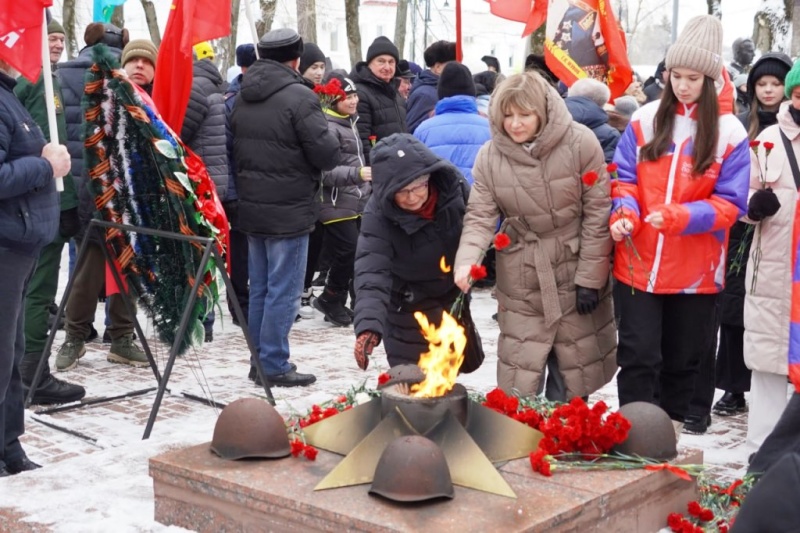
[{"x": 651, "y": 279}]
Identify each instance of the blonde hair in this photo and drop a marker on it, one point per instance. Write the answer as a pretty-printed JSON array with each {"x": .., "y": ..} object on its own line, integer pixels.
[{"x": 526, "y": 91}]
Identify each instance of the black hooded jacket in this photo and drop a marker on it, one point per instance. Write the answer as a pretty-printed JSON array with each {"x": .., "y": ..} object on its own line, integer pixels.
[
  {"x": 381, "y": 110},
  {"x": 281, "y": 145},
  {"x": 397, "y": 267}
]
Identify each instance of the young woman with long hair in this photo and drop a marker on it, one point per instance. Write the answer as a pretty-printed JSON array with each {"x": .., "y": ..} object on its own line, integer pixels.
[{"x": 683, "y": 168}]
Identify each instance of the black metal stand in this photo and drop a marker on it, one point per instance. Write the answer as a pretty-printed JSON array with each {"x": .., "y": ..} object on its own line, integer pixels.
[{"x": 209, "y": 250}]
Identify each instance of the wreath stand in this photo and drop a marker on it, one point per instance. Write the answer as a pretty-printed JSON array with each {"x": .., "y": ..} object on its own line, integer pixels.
[{"x": 209, "y": 250}]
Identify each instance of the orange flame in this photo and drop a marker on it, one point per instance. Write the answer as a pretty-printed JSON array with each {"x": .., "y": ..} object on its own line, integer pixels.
[
  {"x": 446, "y": 353},
  {"x": 443, "y": 265}
]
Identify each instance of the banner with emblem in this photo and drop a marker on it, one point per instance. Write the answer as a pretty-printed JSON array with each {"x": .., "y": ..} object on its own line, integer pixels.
[
  {"x": 582, "y": 38},
  {"x": 21, "y": 35}
]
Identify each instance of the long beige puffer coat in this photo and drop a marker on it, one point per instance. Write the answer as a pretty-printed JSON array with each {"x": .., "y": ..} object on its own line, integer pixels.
[
  {"x": 559, "y": 238},
  {"x": 767, "y": 309}
]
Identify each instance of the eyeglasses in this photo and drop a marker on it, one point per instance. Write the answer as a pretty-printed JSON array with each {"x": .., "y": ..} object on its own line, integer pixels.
[{"x": 415, "y": 190}]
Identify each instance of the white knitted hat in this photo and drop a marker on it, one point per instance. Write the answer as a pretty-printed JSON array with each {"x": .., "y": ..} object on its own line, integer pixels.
[{"x": 699, "y": 47}]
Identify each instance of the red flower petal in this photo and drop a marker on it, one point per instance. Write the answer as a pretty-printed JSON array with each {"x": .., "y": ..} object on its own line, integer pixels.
[
  {"x": 706, "y": 515},
  {"x": 296, "y": 447},
  {"x": 612, "y": 167},
  {"x": 501, "y": 240},
  {"x": 383, "y": 378},
  {"x": 589, "y": 178},
  {"x": 477, "y": 272},
  {"x": 754, "y": 144},
  {"x": 769, "y": 146},
  {"x": 694, "y": 508},
  {"x": 310, "y": 452}
]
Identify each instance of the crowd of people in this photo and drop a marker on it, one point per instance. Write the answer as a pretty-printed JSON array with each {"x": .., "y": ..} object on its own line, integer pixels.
[{"x": 640, "y": 229}]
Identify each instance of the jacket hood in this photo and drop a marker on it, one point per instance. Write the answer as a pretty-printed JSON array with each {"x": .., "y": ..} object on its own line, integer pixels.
[
  {"x": 556, "y": 125},
  {"x": 585, "y": 111},
  {"x": 206, "y": 69},
  {"x": 457, "y": 104},
  {"x": 426, "y": 77},
  {"x": 399, "y": 159},
  {"x": 266, "y": 77},
  {"x": 787, "y": 123}
]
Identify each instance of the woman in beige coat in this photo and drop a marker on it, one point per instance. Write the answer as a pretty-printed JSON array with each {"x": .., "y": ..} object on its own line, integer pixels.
[
  {"x": 553, "y": 288},
  {"x": 768, "y": 301}
]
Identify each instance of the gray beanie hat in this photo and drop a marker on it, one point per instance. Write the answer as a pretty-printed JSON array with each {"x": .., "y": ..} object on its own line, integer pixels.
[{"x": 699, "y": 47}]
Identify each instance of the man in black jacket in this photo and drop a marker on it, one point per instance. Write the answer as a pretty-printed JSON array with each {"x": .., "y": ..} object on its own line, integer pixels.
[
  {"x": 281, "y": 145},
  {"x": 29, "y": 216},
  {"x": 381, "y": 110}
]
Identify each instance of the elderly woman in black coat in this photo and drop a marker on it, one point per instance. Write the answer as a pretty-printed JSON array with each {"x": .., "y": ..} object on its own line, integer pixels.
[{"x": 412, "y": 221}]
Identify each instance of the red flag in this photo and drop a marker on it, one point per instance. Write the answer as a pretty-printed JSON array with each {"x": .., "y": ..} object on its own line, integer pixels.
[
  {"x": 583, "y": 39},
  {"x": 516, "y": 10},
  {"x": 536, "y": 17},
  {"x": 190, "y": 22},
  {"x": 21, "y": 35}
]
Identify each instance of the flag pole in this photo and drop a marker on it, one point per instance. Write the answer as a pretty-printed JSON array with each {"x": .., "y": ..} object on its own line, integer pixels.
[
  {"x": 459, "y": 48},
  {"x": 248, "y": 11},
  {"x": 50, "y": 103}
]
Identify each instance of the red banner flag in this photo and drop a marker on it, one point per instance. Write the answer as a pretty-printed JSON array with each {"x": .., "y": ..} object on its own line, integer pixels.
[
  {"x": 583, "y": 39},
  {"x": 21, "y": 35},
  {"x": 189, "y": 22},
  {"x": 516, "y": 10}
]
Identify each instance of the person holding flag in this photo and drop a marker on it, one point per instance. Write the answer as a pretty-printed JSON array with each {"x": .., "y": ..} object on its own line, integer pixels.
[
  {"x": 43, "y": 285},
  {"x": 29, "y": 214}
]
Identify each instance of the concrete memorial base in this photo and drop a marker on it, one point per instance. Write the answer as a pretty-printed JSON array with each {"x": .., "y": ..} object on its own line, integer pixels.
[{"x": 197, "y": 490}]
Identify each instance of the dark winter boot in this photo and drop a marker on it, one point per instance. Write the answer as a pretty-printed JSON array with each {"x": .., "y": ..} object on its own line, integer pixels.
[
  {"x": 50, "y": 390},
  {"x": 331, "y": 303}
]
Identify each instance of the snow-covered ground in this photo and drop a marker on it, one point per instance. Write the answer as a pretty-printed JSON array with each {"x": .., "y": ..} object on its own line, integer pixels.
[{"x": 98, "y": 481}]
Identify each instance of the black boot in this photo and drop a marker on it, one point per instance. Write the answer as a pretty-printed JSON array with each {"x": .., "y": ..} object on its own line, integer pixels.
[
  {"x": 331, "y": 303},
  {"x": 696, "y": 425},
  {"x": 50, "y": 390},
  {"x": 731, "y": 403}
]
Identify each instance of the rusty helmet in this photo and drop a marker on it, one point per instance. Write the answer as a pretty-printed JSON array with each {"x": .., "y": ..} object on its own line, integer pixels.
[
  {"x": 652, "y": 434},
  {"x": 412, "y": 469},
  {"x": 249, "y": 427}
]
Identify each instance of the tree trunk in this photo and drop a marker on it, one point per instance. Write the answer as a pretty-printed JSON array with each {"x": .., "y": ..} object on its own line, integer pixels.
[
  {"x": 400, "y": 23},
  {"x": 267, "y": 16},
  {"x": 353, "y": 31},
  {"x": 714, "y": 8},
  {"x": 307, "y": 20},
  {"x": 228, "y": 44},
  {"x": 796, "y": 28},
  {"x": 152, "y": 21},
  {"x": 68, "y": 21},
  {"x": 118, "y": 17},
  {"x": 771, "y": 27}
]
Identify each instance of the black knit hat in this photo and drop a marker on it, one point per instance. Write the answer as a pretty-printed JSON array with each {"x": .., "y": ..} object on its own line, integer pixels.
[
  {"x": 245, "y": 55},
  {"x": 775, "y": 64},
  {"x": 455, "y": 79},
  {"x": 439, "y": 52},
  {"x": 281, "y": 45},
  {"x": 311, "y": 54},
  {"x": 491, "y": 61},
  {"x": 382, "y": 46}
]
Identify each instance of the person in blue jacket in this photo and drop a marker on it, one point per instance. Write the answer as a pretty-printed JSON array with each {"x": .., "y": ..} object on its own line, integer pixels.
[
  {"x": 585, "y": 102},
  {"x": 29, "y": 217},
  {"x": 456, "y": 132},
  {"x": 422, "y": 97}
]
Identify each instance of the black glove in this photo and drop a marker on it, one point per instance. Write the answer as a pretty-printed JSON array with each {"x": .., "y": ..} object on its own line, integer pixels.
[
  {"x": 69, "y": 223},
  {"x": 762, "y": 204},
  {"x": 586, "y": 300}
]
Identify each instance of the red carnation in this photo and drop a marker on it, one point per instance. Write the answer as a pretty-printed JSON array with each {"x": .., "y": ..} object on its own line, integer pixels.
[
  {"x": 589, "y": 178},
  {"x": 768, "y": 146},
  {"x": 501, "y": 240},
  {"x": 477, "y": 272},
  {"x": 310, "y": 452},
  {"x": 754, "y": 144},
  {"x": 612, "y": 167},
  {"x": 383, "y": 378},
  {"x": 297, "y": 447},
  {"x": 694, "y": 508},
  {"x": 706, "y": 515},
  {"x": 674, "y": 521}
]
